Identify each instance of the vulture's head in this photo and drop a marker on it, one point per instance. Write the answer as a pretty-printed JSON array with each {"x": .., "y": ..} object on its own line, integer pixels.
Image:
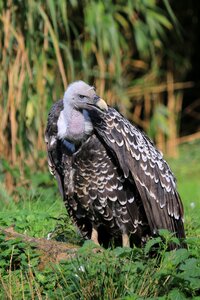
[
  {"x": 74, "y": 123},
  {"x": 79, "y": 94}
]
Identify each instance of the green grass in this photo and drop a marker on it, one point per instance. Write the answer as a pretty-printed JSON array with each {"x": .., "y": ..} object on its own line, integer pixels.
[
  {"x": 187, "y": 171},
  {"x": 113, "y": 274},
  {"x": 35, "y": 217}
]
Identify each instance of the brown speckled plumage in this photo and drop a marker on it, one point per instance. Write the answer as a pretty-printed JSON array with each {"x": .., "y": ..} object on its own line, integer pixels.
[{"x": 115, "y": 181}]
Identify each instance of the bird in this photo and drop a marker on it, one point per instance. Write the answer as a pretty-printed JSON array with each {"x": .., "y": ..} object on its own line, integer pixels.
[{"x": 114, "y": 182}]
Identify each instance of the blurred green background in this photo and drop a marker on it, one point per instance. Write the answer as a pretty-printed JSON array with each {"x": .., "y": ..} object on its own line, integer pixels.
[{"x": 141, "y": 55}]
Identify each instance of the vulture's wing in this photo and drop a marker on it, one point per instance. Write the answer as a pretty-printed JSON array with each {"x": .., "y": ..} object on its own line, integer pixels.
[
  {"x": 143, "y": 163},
  {"x": 52, "y": 144}
]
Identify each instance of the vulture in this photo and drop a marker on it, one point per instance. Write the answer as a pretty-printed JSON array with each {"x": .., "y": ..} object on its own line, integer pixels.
[{"x": 115, "y": 184}]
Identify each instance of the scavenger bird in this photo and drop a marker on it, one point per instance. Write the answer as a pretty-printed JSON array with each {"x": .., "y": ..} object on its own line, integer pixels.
[{"x": 115, "y": 184}]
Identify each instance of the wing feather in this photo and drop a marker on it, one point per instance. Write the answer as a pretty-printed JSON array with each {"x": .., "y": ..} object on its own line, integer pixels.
[
  {"x": 52, "y": 144},
  {"x": 142, "y": 162}
]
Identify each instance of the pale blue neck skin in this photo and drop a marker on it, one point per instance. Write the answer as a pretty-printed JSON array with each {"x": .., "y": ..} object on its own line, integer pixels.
[
  {"x": 69, "y": 146},
  {"x": 86, "y": 115}
]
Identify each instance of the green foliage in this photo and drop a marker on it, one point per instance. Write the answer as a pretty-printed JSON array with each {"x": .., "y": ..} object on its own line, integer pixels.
[
  {"x": 64, "y": 233},
  {"x": 120, "y": 273},
  {"x": 44, "y": 47},
  {"x": 112, "y": 274},
  {"x": 15, "y": 254},
  {"x": 187, "y": 169},
  {"x": 159, "y": 121},
  {"x": 33, "y": 211}
]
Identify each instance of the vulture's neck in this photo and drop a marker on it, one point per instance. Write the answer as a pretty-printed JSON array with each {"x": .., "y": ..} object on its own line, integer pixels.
[{"x": 74, "y": 125}]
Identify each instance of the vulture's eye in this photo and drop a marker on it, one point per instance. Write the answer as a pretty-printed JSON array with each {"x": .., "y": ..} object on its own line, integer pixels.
[{"x": 81, "y": 96}]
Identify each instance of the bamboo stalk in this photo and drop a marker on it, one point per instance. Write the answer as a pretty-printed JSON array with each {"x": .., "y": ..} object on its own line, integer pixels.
[
  {"x": 12, "y": 104},
  {"x": 137, "y": 112},
  {"x": 178, "y": 110},
  {"x": 147, "y": 108},
  {"x": 171, "y": 141},
  {"x": 140, "y": 122},
  {"x": 189, "y": 138},
  {"x": 21, "y": 55},
  {"x": 102, "y": 68},
  {"x": 160, "y": 88},
  {"x": 5, "y": 18},
  {"x": 56, "y": 46},
  {"x": 160, "y": 137}
]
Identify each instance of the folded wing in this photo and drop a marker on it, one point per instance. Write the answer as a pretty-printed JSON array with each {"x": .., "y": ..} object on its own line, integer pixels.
[{"x": 142, "y": 163}]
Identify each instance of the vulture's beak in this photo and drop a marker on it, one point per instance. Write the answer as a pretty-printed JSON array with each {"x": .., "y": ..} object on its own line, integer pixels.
[
  {"x": 89, "y": 103},
  {"x": 101, "y": 104}
]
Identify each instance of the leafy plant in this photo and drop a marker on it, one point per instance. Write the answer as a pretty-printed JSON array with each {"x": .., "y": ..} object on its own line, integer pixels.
[
  {"x": 119, "y": 273},
  {"x": 110, "y": 274},
  {"x": 43, "y": 46}
]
